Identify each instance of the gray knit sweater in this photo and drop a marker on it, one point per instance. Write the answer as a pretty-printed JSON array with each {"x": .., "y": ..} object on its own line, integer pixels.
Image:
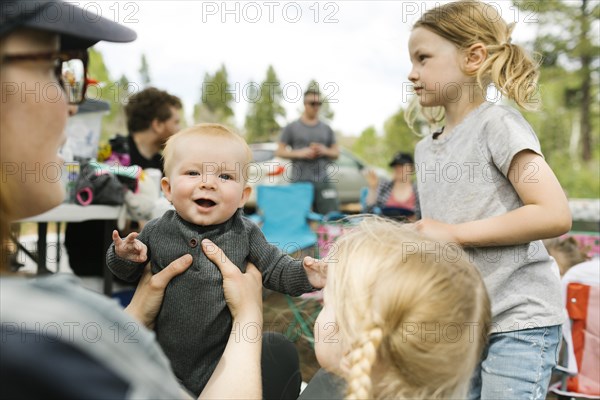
[{"x": 194, "y": 323}]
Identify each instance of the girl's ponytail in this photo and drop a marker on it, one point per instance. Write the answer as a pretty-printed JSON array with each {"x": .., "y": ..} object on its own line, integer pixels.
[{"x": 514, "y": 73}]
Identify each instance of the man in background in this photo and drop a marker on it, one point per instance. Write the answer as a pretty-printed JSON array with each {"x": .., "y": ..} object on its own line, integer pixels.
[
  {"x": 311, "y": 145},
  {"x": 152, "y": 117}
]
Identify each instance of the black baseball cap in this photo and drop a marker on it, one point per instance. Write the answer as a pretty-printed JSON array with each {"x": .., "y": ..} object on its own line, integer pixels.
[
  {"x": 78, "y": 28},
  {"x": 401, "y": 158}
]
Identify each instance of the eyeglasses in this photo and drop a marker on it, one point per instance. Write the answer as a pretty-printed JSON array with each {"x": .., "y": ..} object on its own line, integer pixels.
[
  {"x": 315, "y": 103},
  {"x": 70, "y": 69}
]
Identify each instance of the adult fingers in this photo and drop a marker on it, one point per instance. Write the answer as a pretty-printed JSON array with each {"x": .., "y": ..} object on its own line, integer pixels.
[
  {"x": 216, "y": 255},
  {"x": 176, "y": 267}
]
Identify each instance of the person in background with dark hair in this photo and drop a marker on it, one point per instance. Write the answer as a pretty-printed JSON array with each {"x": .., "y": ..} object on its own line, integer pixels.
[
  {"x": 311, "y": 145},
  {"x": 153, "y": 116}
]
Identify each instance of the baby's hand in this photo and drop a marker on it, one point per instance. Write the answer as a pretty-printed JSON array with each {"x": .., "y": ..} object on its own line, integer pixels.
[
  {"x": 316, "y": 271},
  {"x": 130, "y": 248}
]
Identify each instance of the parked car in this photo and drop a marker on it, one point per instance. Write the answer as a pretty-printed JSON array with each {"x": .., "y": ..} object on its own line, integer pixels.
[{"x": 348, "y": 173}]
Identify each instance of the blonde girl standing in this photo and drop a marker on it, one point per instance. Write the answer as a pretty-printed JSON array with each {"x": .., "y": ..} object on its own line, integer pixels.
[{"x": 483, "y": 183}]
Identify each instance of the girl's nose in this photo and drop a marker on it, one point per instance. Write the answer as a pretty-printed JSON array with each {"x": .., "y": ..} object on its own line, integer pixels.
[{"x": 413, "y": 76}]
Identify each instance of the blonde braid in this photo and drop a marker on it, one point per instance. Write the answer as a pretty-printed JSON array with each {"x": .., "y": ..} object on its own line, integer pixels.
[{"x": 361, "y": 360}]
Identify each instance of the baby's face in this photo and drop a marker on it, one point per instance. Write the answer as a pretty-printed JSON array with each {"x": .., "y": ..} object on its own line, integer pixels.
[{"x": 206, "y": 183}]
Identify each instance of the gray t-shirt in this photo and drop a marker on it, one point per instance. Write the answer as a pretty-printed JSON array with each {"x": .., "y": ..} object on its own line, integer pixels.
[
  {"x": 298, "y": 135},
  {"x": 58, "y": 308},
  {"x": 462, "y": 176}
]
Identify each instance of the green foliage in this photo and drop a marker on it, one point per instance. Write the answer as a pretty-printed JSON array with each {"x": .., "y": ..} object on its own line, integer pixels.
[
  {"x": 369, "y": 146},
  {"x": 325, "y": 113},
  {"x": 265, "y": 107},
  {"x": 145, "y": 73},
  {"x": 574, "y": 50},
  {"x": 378, "y": 150},
  {"x": 398, "y": 136},
  {"x": 215, "y": 100},
  {"x": 578, "y": 179},
  {"x": 96, "y": 68},
  {"x": 113, "y": 92}
]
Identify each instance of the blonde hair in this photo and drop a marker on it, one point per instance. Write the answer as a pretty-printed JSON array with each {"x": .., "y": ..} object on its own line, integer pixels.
[
  {"x": 214, "y": 130},
  {"x": 508, "y": 66},
  {"x": 413, "y": 314}
]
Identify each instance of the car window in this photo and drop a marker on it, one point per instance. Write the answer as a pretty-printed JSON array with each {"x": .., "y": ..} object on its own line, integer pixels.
[
  {"x": 345, "y": 160},
  {"x": 262, "y": 155}
]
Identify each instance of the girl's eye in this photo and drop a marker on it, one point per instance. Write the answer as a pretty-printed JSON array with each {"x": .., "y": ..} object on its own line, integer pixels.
[
  {"x": 422, "y": 58},
  {"x": 193, "y": 173},
  {"x": 225, "y": 177}
]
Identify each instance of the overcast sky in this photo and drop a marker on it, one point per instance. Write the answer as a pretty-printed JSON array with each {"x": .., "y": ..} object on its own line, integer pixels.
[{"x": 357, "y": 50}]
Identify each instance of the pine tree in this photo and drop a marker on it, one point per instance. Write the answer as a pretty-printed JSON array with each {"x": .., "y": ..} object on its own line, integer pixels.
[
  {"x": 574, "y": 48},
  {"x": 144, "y": 71},
  {"x": 215, "y": 99},
  {"x": 264, "y": 110}
]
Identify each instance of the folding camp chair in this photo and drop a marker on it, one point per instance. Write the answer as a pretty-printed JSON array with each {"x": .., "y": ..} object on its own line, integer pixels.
[
  {"x": 581, "y": 332},
  {"x": 285, "y": 211}
]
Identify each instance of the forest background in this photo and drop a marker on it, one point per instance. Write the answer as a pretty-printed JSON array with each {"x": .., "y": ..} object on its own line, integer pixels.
[{"x": 568, "y": 123}]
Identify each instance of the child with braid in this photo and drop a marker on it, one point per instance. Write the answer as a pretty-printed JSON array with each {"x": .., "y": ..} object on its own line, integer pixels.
[
  {"x": 403, "y": 317},
  {"x": 483, "y": 184}
]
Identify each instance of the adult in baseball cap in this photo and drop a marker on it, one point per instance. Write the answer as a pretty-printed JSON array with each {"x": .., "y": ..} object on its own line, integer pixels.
[
  {"x": 402, "y": 158},
  {"x": 58, "y": 339},
  {"x": 78, "y": 28}
]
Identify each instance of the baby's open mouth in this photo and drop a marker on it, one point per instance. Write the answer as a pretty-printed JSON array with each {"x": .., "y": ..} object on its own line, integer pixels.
[{"x": 205, "y": 203}]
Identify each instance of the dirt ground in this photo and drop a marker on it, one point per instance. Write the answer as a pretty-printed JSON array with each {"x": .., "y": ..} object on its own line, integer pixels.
[{"x": 279, "y": 317}]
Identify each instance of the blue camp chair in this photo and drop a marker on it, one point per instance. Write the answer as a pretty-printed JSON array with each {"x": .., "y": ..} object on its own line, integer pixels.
[{"x": 284, "y": 211}]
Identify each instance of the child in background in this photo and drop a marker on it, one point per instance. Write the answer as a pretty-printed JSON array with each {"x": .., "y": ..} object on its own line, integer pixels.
[
  {"x": 483, "y": 184},
  {"x": 403, "y": 317},
  {"x": 205, "y": 180},
  {"x": 566, "y": 251}
]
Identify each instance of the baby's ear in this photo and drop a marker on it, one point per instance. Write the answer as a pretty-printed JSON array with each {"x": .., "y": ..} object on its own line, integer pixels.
[
  {"x": 166, "y": 187},
  {"x": 245, "y": 196}
]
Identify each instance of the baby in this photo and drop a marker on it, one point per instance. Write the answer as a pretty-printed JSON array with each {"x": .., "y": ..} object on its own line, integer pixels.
[{"x": 204, "y": 180}]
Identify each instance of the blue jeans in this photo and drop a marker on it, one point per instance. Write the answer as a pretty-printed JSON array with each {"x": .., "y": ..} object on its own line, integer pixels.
[{"x": 517, "y": 365}]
